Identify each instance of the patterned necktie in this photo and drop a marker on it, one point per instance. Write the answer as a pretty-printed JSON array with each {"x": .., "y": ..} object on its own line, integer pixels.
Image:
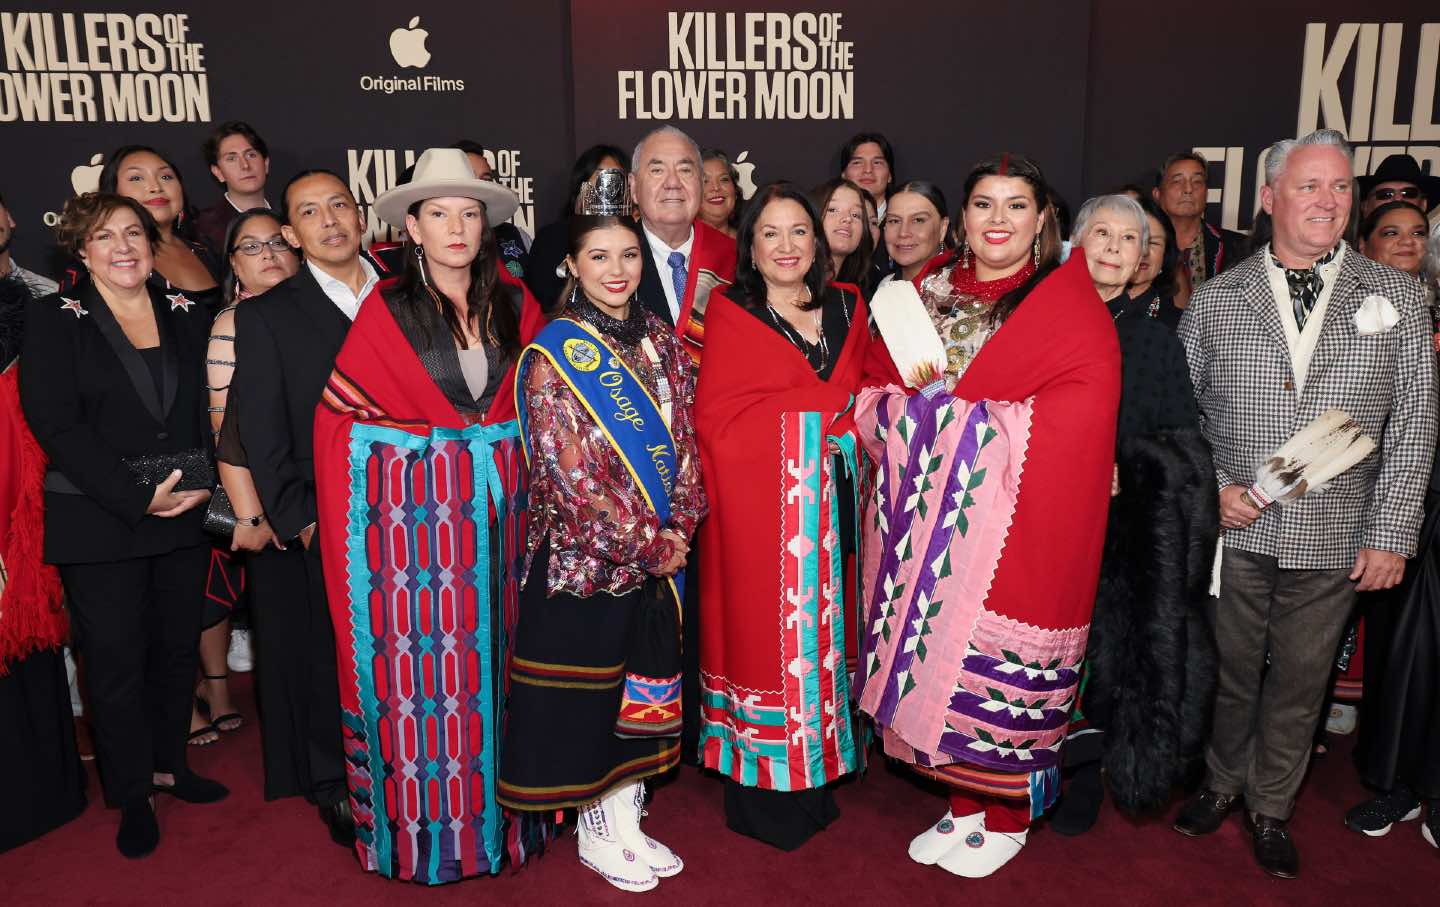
[
  {"x": 676, "y": 261},
  {"x": 1305, "y": 285}
]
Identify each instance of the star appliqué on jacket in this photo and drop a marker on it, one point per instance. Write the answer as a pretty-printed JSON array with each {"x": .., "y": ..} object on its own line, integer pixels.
[
  {"x": 178, "y": 301},
  {"x": 73, "y": 305}
]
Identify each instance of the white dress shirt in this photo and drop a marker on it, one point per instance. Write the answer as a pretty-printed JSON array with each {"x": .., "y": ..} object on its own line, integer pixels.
[
  {"x": 1302, "y": 343},
  {"x": 340, "y": 294},
  {"x": 661, "y": 251}
]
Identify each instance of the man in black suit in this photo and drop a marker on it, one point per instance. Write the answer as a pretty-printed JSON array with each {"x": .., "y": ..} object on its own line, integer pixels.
[{"x": 286, "y": 341}]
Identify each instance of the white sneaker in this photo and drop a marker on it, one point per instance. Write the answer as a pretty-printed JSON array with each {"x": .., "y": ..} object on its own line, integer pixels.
[
  {"x": 939, "y": 839},
  {"x": 628, "y": 806},
  {"x": 1343, "y": 719},
  {"x": 602, "y": 850},
  {"x": 982, "y": 852},
  {"x": 241, "y": 657}
]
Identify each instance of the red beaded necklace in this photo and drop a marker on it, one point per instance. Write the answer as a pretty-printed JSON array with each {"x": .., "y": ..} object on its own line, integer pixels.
[{"x": 964, "y": 281}]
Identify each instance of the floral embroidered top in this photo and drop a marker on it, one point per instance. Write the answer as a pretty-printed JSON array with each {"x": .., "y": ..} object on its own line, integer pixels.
[
  {"x": 603, "y": 536},
  {"x": 959, "y": 304}
]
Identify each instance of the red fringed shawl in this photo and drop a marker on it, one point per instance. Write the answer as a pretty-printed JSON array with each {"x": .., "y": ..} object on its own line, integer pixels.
[{"x": 32, "y": 617}]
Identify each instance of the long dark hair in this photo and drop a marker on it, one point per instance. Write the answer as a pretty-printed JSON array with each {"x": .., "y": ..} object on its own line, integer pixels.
[
  {"x": 1166, "y": 283},
  {"x": 585, "y": 165},
  {"x": 1372, "y": 220},
  {"x": 231, "y": 282},
  {"x": 1023, "y": 168},
  {"x": 488, "y": 307},
  {"x": 183, "y": 226},
  {"x": 856, "y": 266},
  {"x": 749, "y": 285},
  {"x": 581, "y": 226}
]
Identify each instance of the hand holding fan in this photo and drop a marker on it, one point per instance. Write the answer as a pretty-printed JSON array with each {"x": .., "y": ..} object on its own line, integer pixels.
[
  {"x": 915, "y": 346},
  {"x": 1319, "y": 452}
]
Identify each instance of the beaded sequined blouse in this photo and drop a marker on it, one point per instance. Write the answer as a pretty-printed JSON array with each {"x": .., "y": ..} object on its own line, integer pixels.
[
  {"x": 603, "y": 536},
  {"x": 960, "y": 306}
]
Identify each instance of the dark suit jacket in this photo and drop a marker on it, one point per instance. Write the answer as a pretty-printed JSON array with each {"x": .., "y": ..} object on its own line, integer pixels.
[
  {"x": 1223, "y": 248},
  {"x": 286, "y": 341},
  {"x": 91, "y": 402},
  {"x": 712, "y": 251}
]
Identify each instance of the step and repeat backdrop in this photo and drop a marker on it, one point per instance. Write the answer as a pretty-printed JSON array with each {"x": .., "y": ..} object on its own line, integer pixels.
[{"x": 1098, "y": 92}]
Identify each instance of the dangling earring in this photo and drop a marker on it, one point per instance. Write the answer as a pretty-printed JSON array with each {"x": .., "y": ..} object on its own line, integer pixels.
[
  {"x": 964, "y": 255},
  {"x": 1037, "y": 251}
]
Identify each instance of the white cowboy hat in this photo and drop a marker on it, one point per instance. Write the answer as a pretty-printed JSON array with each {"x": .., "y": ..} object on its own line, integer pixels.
[{"x": 446, "y": 173}]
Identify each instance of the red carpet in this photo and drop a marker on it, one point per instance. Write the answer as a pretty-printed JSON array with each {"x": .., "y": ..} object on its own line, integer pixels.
[{"x": 247, "y": 851}]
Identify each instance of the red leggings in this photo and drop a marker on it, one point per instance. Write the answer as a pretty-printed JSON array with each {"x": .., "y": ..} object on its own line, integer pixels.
[{"x": 1000, "y": 815}]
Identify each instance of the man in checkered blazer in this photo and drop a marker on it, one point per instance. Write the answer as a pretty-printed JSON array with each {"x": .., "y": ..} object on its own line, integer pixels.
[{"x": 1304, "y": 325}]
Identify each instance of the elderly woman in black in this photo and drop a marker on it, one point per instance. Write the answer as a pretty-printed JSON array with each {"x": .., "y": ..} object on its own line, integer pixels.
[
  {"x": 113, "y": 386},
  {"x": 1150, "y": 658}
]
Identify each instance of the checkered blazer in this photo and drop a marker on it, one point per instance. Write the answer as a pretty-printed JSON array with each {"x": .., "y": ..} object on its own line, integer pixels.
[{"x": 1240, "y": 366}]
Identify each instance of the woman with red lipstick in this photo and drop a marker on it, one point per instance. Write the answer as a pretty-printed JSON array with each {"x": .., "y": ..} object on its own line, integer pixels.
[
  {"x": 720, "y": 192},
  {"x": 183, "y": 266},
  {"x": 604, "y": 396},
  {"x": 980, "y": 588},
  {"x": 778, "y": 442},
  {"x": 420, "y": 492}
]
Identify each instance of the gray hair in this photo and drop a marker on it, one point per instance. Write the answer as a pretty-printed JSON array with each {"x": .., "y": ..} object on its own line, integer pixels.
[
  {"x": 1278, "y": 154},
  {"x": 662, "y": 130},
  {"x": 1121, "y": 203}
]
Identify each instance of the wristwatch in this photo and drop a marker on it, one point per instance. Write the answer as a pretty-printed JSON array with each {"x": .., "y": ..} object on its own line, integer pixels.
[{"x": 250, "y": 520}]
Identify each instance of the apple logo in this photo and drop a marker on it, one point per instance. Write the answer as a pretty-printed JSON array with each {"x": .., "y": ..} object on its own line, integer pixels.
[
  {"x": 86, "y": 177},
  {"x": 747, "y": 175},
  {"x": 407, "y": 45}
]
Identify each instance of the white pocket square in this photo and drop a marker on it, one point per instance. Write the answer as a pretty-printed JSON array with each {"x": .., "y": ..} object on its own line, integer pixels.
[{"x": 1376, "y": 315}]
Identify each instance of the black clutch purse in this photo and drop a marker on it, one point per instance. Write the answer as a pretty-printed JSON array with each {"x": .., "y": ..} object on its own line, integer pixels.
[
  {"x": 220, "y": 515},
  {"x": 197, "y": 470}
]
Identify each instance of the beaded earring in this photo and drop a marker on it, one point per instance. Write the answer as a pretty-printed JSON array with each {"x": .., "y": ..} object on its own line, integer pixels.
[{"x": 1037, "y": 251}]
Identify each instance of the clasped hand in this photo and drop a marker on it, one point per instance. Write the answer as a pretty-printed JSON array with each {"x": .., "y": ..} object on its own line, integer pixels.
[
  {"x": 167, "y": 502},
  {"x": 680, "y": 550}
]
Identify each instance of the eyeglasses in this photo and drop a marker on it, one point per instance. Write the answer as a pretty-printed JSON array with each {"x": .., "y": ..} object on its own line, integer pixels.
[
  {"x": 1384, "y": 195},
  {"x": 253, "y": 246}
]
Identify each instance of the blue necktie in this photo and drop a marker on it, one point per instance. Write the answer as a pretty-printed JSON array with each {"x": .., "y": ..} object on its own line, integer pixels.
[{"x": 676, "y": 261}]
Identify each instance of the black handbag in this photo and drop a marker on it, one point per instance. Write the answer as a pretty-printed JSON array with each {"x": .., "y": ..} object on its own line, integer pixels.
[
  {"x": 197, "y": 472},
  {"x": 220, "y": 515}
]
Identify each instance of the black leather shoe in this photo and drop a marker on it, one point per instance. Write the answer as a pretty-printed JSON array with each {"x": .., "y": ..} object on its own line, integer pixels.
[
  {"x": 1080, "y": 801},
  {"x": 139, "y": 833},
  {"x": 1274, "y": 849},
  {"x": 1204, "y": 813},
  {"x": 192, "y": 788},
  {"x": 340, "y": 821}
]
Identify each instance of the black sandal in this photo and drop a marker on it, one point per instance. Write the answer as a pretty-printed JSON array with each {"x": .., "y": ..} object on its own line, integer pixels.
[{"x": 217, "y": 721}]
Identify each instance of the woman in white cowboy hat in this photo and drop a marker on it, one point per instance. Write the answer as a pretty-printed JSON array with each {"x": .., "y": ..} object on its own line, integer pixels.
[{"x": 420, "y": 486}]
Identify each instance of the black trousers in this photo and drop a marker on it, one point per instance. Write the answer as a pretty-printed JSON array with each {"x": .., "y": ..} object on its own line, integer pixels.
[
  {"x": 296, "y": 677},
  {"x": 137, "y": 627}
]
